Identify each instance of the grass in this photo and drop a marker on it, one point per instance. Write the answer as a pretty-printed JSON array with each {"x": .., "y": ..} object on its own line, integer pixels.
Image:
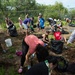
[
  {"x": 10, "y": 71},
  {"x": 2, "y": 71}
]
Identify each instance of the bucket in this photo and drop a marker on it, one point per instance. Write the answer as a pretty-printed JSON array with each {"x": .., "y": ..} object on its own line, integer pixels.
[{"x": 8, "y": 42}]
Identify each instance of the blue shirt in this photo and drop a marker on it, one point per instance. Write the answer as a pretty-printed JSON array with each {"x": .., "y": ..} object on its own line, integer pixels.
[{"x": 41, "y": 22}]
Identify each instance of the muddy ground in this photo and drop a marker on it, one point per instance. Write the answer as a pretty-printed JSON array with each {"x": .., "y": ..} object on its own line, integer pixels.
[{"x": 10, "y": 59}]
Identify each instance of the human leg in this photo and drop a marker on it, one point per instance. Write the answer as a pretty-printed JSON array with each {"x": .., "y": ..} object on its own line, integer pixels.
[{"x": 24, "y": 52}]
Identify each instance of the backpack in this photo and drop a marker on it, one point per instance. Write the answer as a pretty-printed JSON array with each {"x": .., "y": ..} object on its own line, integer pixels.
[
  {"x": 56, "y": 46},
  {"x": 62, "y": 64},
  {"x": 13, "y": 31}
]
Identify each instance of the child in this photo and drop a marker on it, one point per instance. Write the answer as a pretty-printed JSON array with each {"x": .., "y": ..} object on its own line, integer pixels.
[
  {"x": 20, "y": 24},
  {"x": 45, "y": 37}
]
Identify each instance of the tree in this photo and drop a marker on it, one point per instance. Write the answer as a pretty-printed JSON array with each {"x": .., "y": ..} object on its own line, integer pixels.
[{"x": 55, "y": 11}]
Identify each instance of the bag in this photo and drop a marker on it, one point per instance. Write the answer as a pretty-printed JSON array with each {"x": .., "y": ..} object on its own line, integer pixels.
[
  {"x": 64, "y": 32},
  {"x": 62, "y": 64},
  {"x": 71, "y": 68},
  {"x": 57, "y": 46}
]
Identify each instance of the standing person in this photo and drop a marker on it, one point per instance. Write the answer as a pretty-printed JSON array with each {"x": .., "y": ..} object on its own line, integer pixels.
[
  {"x": 41, "y": 21},
  {"x": 38, "y": 23},
  {"x": 31, "y": 24},
  {"x": 43, "y": 68},
  {"x": 32, "y": 44},
  {"x": 26, "y": 24},
  {"x": 20, "y": 24}
]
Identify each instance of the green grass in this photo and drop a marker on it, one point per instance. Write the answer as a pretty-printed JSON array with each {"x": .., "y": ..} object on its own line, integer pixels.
[
  {"x": 51, "y": 37},
  {"x": 8, "y": 71},
  {"x": 12, "y": 49},
  {"x": 2, "y": 71}
]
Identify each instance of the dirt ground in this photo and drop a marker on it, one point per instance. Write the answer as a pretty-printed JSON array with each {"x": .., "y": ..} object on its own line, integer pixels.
[{"x": 9, "y": 58}]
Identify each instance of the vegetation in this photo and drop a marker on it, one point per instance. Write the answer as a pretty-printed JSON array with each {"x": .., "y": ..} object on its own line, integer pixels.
[{"x": 14, "y": 9}]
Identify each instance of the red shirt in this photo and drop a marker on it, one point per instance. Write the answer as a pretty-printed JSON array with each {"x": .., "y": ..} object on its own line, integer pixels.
[
  {"x": 57, "y": 35},
  {"x": 32, "y": 41}
]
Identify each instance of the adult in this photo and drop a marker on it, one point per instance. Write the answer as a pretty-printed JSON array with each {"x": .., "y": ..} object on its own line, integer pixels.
[{"x": 32, "y": 44}]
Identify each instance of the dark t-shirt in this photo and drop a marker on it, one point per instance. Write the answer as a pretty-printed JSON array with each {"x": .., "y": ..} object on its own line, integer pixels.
[{"x": 38, "y": 69}]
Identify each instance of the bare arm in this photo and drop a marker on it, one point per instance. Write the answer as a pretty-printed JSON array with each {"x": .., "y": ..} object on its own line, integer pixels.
[
  {"x": 44, "y": 38},
  {"x": 27, "y": 56}
]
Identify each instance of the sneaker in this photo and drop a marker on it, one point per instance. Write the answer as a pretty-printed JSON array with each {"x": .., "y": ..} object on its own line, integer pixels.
[{"x": 20, "y": 70}]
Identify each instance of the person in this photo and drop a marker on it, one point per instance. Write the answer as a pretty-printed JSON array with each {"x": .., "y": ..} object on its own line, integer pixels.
[
  {"x": 8, "y": 22},
  {"x": 58, "y": 36},
  {"x": 11, "y": 28},
  {"x": 26, "y": 24},
  {"x": 20, "y": 24},
  {"x": 31, "y": 44},
  {"x": 43, "y": 68},
  {"x": 45, "y": 37},
  {"x": 41, "y": 22},
  {"x": 31, "y": 24},
  {"x": 71, "y": 38}
]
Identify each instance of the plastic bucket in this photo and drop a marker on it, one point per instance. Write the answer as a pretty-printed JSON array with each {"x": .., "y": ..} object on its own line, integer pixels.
[{"x": 8, "y": 42}]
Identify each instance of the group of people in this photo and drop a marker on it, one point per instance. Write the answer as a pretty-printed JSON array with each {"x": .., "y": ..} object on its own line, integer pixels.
[
  {"x": 29, "y": 23},
  {"x": 31, "y": 44}
]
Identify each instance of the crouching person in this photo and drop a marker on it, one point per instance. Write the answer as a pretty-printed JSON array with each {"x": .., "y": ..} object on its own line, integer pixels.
[
  {"x": 43, "y": 68},
  {"x": 31, "y": 44}
]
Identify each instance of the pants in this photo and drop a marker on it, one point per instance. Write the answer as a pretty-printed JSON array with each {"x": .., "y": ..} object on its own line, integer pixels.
[{"x": 24, "y": 52}]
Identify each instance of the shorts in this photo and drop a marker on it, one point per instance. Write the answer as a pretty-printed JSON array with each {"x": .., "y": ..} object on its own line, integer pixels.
[{"x": 25, "y": 26}]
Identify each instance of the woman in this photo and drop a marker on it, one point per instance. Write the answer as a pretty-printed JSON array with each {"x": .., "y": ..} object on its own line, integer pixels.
[{"x": 31, "y": 44}]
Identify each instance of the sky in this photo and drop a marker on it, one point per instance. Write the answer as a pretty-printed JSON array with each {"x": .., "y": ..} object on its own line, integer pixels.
[{"x": 66, "y": 3}]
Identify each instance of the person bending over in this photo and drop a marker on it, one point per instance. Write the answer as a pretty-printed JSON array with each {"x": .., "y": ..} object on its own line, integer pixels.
[{"x": 31, "y": 44}]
